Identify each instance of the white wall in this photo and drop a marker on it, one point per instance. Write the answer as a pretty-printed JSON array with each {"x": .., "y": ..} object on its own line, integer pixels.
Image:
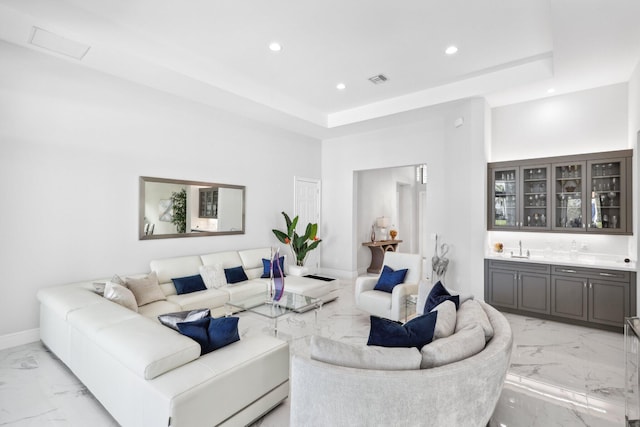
[
  {"x": 73, "y": 143},
  {"x": 455, "y": 190},
  {"x": 582, "y": 122}
]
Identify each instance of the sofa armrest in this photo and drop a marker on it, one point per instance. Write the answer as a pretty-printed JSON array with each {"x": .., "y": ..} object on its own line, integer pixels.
[{"x": 364, "y": 284}]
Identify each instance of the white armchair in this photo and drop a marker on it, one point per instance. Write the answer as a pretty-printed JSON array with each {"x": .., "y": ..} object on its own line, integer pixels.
[{"x": 385, "y": 304}]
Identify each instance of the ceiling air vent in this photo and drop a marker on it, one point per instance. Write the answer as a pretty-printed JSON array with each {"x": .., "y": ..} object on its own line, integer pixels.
[{"x": 379, "y": 79}]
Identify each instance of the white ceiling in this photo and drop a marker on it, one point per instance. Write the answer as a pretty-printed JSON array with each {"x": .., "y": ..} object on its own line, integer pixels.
[{"x": 216, "y": 52}]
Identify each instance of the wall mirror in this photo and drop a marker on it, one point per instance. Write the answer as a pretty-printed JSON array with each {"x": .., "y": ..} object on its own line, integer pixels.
[{"x": 176, "y": 208}]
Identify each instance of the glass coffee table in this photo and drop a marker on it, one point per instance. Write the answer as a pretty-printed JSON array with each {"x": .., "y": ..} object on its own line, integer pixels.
[{"x": 289, "y": 303}]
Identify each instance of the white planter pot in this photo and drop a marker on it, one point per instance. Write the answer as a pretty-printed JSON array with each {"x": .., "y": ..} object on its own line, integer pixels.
[{"x": 296, "y": 270}]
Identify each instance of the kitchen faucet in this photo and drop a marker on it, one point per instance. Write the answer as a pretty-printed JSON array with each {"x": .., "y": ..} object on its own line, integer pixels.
[{"x": 520, "y": 252}]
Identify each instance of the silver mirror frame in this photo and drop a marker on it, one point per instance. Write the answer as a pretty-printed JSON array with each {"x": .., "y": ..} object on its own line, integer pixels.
[{"x": 141, "y": 209}]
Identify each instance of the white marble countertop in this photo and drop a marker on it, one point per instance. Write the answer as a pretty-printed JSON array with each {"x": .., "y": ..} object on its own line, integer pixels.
[{"x": 579, "y": 260}]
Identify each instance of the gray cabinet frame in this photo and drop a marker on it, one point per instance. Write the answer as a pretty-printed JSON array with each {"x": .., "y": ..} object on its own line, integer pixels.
[{"x": 585, "y": 160}]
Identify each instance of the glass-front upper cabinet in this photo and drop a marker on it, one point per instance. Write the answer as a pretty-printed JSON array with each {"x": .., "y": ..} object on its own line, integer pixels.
[
  {"x": 520, "y": 198},
  {"x": 607, "y": 204},
  {"x": 535, "y": 197},
  {"x": 504, "y": 210},
  {"x": 582, "y": 193},
  {"x": 568, "y": 194}
]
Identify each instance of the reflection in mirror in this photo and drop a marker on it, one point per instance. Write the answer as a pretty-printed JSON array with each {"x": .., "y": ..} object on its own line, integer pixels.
[{"x": 176, "y": 208}]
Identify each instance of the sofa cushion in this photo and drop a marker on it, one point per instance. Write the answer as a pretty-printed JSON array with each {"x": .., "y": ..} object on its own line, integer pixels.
[
  {"x": 153, "y": 310},
  {"x": 389, "y": 278},
  {"x": 415, "y": 333},
  {"x": 437, "y": 295},
  {"x": 145, "y": 289},
  {"x": 211, "y": 333},
  {"x": 120, "y": 295},
  {"x": 210, "y": 298},
  {"x": 186, "y": 285},
  {"x": 226, "y": 259},
  {"x": 446, "y": 321},
  {"x": 461, "y": 345},
  {"x": 266, "y": 267},
  {"x": 172, "y": 319},
  {"x": 168, "y": 268},
  {"x": 310, "y": 287},
  {"x": 252, "y": 258},
  {"x": 470, "y": 313},
  {"x": 235, "y": 275},
  {"x": 213, "y": 276},
  {"x": 145, "y": 347},
  {"x": 364, "y": 357},
  {"x": 243, "y": 290}
]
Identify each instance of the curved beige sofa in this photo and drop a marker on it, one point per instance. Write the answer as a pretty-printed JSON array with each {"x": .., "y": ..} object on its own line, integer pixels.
[{"x": 463, "y": 393}]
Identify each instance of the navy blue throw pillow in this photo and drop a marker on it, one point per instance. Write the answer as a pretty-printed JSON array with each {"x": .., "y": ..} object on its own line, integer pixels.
[
  {"x": 235, "y": 275},
  {"x": 266, "y": 265},
  {"x": 211, "y": 333},
  {"x": 415, "y": 333},
  {"x": 439, "y": 295},
  {"x": 186, "y": 285},
  {"x": 389, "y": 279}
]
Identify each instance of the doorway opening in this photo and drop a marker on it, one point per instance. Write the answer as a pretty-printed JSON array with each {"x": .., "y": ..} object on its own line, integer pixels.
[{"x": 395, "y": 193}]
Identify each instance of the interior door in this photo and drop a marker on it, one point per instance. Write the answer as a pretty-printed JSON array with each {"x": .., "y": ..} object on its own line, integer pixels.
[{"x": 307, "y": 208}]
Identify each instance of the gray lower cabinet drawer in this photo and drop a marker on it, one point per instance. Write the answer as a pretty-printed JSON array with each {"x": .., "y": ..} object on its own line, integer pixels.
[
  {"x": 593, "y": 273},
  {"x": 520, "y": 266}
]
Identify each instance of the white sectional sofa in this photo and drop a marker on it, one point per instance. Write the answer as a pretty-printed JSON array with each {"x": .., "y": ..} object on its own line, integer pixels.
[{"x": 146, "y": 374}]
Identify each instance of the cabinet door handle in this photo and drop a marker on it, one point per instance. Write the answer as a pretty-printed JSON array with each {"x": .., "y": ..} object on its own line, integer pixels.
[
  {"x": 607, "y": 274},
  {"x": 584, "y": 284},
  {"x": 515, "y": 277},
  {"x": 590, "y": 285},
  {"x": 564, "y": 270}
]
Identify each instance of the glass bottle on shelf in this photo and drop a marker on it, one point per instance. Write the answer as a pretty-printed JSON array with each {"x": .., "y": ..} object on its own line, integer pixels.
[
  {"x": 568, "y": 193},
  {"x": 505, "y": 195},
  {"x": 606, "y": 202},
  {"x": 535, "y": 198}
]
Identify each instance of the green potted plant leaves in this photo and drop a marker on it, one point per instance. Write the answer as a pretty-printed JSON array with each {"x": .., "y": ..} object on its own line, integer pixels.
[
  {"x": 300, "y": 245},
  {"x": 179, "y": 204}
]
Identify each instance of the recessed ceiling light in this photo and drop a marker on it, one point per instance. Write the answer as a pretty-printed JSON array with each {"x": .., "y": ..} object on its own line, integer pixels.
[
  {"x": 451, "y": 50},
  {"x": 551, "y": 90},
  {"x": 275, "y": 47},
  {"x": 341, "y": 86}
]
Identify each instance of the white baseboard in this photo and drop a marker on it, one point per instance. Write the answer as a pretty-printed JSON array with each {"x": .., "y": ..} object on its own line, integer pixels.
[{"x": 19, "y": 338}]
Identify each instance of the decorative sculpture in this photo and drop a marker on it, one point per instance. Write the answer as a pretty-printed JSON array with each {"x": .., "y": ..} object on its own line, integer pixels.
[
  {"x": 277, "y": 276},
  {"x": 439, "y": 263}
]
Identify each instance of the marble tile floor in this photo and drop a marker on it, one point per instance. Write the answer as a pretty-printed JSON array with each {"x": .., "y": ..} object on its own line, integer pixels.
[{"x": 560, "y": 375}]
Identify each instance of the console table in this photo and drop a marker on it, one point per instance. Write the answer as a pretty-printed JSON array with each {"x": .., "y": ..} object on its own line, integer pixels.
[{"x": 378, "y": 248}]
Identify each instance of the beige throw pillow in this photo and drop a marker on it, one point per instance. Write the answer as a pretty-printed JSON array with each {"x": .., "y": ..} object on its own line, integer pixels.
[
  {"x": 470, "y": 313},
  {"x": 146, "y": 289},
  {"x": 120, "y": 295},
  {"x": 461, "y": 345},
  {"x": 446, "y": 320}
]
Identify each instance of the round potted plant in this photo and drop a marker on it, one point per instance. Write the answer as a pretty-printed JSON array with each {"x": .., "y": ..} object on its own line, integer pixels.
[{"x": 300, "y": 245}]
